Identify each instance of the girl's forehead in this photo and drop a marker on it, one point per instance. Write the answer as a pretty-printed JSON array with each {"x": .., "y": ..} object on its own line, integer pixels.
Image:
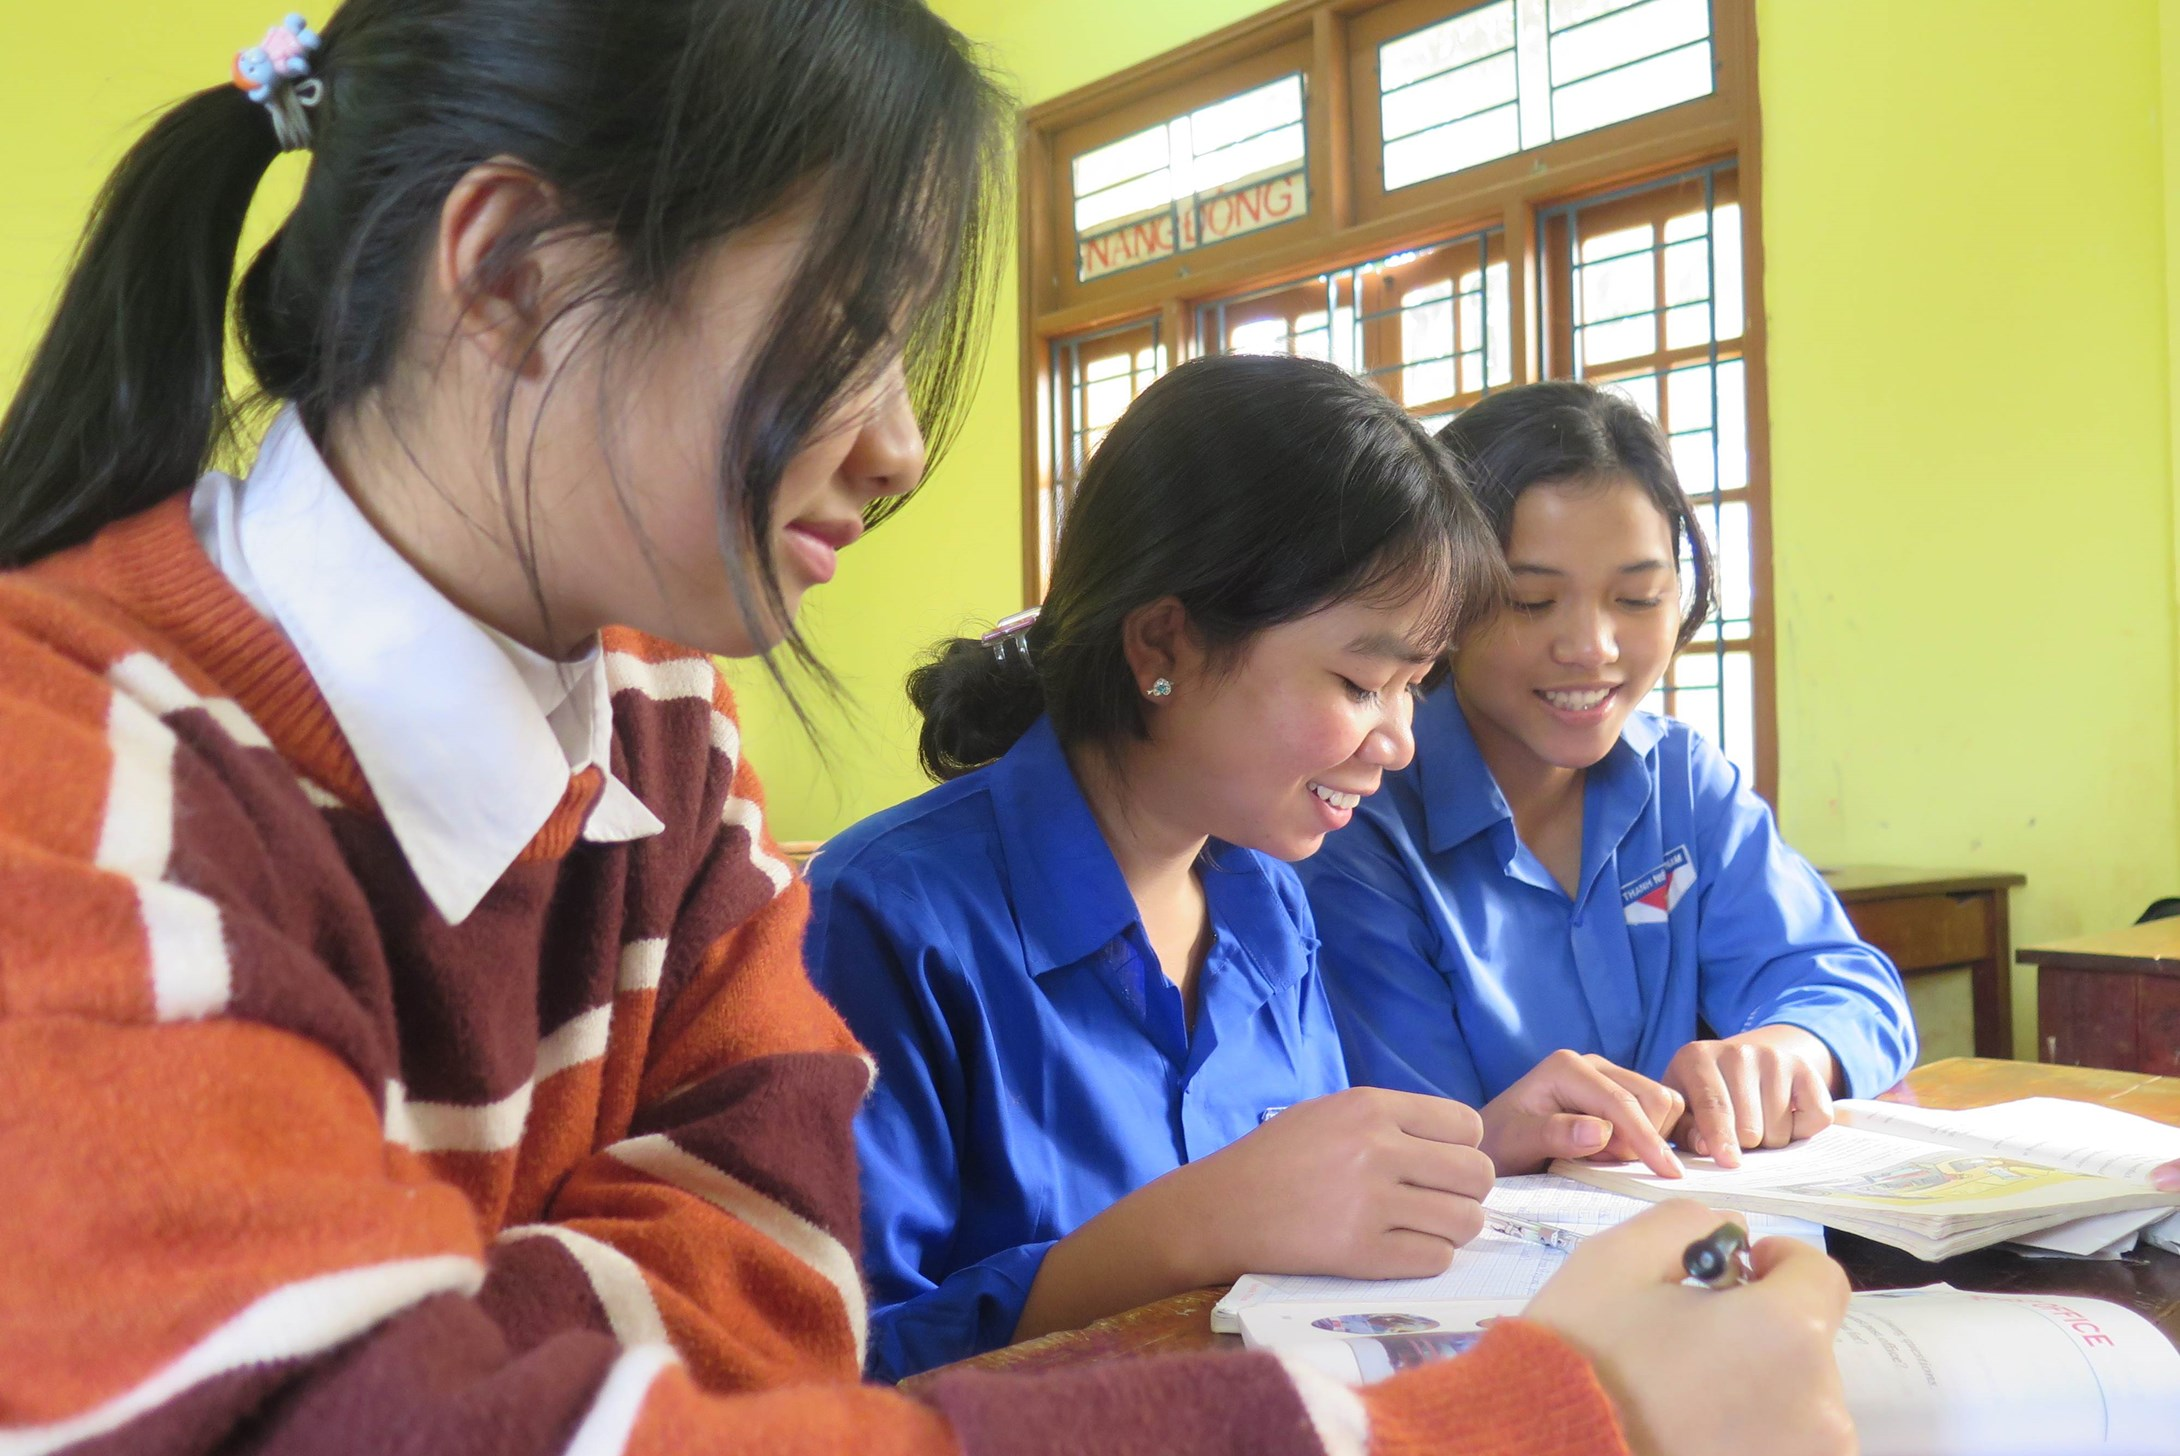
[
  {"x": 1397, "y": 630},
  {"x": 1572, "y": 513}
]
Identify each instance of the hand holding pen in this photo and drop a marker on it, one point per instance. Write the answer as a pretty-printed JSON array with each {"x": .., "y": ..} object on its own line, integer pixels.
[{"x": 1710, "y": 1367}]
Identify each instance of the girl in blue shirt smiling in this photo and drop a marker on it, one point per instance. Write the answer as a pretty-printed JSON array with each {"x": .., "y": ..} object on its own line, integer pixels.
[
  {"x": 1561, "y": 875},
  {"x": 1085, "y": 970}
]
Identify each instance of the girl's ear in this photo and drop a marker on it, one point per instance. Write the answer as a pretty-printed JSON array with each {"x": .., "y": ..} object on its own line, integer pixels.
[
  {"x": 489, "y": 274},
  {"x": 1158, "y": 644}
]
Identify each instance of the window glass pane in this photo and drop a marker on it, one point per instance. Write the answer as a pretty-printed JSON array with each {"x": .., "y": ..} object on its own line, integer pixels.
[
  {"x": 1726, "y": 239},
  {"x": 1582, "y": 49},
  {"x": 1458, "y": 41},
  {"x": 1471, "y": 90},
  {"x": 1733, "y": 434},
  {"x": 1426, "y": 337},
  {"x": 1727, "y": 526},
  {"x": 1507, "y": 76},
  {"x": 1452, "y": 148},
  {"x": 1432, "y": 326},
  {"x": 1258, "y": 336},
  {"x": 1096, "y": 376},
  {"x": 1218, "y": 172},
  {"x": 1714, "y": 692},
  {"x": 1737, "y": 715},
  {"x": 1692, "y": 691},
  {"x": 1566, "y": 13},
  {"x": 1499, "y": 343},
  {"x": 1634, "y": 90},
  {"x": 1098, "y": 172},
  {"x": 1688, "y": 400},
  {"x": 1642, "y": 389}
]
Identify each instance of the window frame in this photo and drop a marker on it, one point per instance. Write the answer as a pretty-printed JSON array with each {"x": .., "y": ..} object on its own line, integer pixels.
[{"x": 1353, "y": 220}]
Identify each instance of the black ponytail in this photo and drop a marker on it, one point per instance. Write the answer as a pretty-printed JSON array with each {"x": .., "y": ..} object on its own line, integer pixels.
[
  {"x": 976, "y": 701},
  {"x": 1254, "y": 489},
  {"x": 125, "y": 397},
  {"x": 661, "y": 128}
]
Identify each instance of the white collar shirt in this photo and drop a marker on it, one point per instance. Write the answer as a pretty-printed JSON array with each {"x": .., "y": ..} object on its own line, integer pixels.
[{"x": 467, "y": 738}]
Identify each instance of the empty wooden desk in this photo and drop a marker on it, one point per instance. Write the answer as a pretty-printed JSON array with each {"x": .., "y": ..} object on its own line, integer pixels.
[
  {"x": 1940, "y": 920},
  {"x": 2111, "y": 1000}
]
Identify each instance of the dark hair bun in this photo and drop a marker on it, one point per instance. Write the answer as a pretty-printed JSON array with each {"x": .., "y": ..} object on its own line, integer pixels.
[{"x": 975, "y": 704}]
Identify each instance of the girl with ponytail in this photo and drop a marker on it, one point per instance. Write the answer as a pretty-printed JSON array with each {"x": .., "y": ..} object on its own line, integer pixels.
[
  {"x": 1083, "y": 963},
  {"x": 405, "y": 1042}
]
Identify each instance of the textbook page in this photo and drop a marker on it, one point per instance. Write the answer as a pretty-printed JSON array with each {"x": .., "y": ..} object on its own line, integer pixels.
[
  {"x": 1926, "y": 1372},
  {"x": 1492, "y": 1265},
  {"x": 1930, "y": 1199},
  {"x": 1936, "y": 1372},
  {"x": 2099, "y": 1236},
  {"x": 1363, "y": 1341},
  {"x": 2082, "y": 1137}
]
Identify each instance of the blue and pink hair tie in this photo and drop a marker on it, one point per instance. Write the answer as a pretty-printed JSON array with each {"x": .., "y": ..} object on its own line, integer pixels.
[{"x": 276, "y": 73}]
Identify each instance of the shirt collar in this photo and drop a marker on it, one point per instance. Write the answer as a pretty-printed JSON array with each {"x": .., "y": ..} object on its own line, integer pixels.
[
  {"x": 1068, "y": 893},
  {"x": 1070, "y": 899},
  {"x": 460, "y": 751},
  {"x": 577, "y": 702},
  {"x": 1460, "y": 797}
]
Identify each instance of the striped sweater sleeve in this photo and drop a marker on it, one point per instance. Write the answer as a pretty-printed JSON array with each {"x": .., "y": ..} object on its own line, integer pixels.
[
  {"x": 725, "y": 1222},
  {"x": 214, "y": 1245}
]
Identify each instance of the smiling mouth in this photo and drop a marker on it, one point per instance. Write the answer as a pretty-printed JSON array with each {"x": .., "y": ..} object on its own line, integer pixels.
[
  {"x": 1335, "y": 798},
  {"x": 1580, "y": 700}
]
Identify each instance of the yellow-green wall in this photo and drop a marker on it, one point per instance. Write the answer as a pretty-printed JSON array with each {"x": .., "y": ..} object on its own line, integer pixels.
[
  {"x": 1972, "y": 303},
  {"x": 70, "y": 108},
  {"x": 1973, "y": 549}
]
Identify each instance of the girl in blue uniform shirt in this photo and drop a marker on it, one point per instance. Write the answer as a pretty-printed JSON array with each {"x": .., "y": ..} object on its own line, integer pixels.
[
  {"x": 1087, "y": 976},
  {"x": 1561, "y": 875}
]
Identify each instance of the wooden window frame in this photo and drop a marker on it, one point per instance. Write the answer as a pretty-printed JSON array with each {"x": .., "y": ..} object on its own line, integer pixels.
[{"x": 1352, "y": 220}]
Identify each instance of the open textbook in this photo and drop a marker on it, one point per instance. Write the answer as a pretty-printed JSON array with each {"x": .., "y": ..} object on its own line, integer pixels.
[
  {"x": 2061, "y": 1132},
  {"x": 1927, "y": 1372},
  {"x": 1493, "y": 1265},
  {"x": 1938, "y": 1183}
]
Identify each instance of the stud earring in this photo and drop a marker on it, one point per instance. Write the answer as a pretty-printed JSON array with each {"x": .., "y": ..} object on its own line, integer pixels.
[{"x": 1160, "y": 689}]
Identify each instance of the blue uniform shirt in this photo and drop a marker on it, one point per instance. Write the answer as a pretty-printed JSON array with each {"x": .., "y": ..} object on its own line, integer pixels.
[
  {"x": 1034, "y": 1063},
  {"x": 1456, "y": 962}
]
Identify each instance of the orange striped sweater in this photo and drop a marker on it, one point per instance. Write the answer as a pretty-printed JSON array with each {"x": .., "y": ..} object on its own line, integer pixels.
[{"x": 293, "y": 1164}]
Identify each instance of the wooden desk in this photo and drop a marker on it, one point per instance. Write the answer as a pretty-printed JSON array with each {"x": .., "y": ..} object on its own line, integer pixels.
[
  {"x": 1940, "y": 920},
  {"x": 2111, "y": 1000},
  {"x": 2148, "y": 1282}
]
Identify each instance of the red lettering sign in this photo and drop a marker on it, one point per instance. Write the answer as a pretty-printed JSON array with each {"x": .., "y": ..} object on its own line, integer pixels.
[{"x": 1213, "y": 219}]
